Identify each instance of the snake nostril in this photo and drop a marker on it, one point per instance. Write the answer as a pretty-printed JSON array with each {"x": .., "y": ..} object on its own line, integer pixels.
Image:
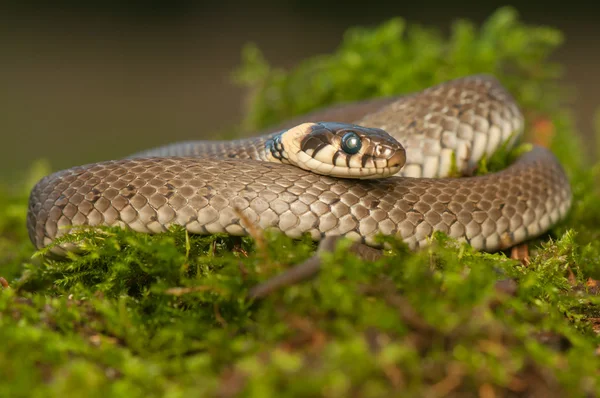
[{"x": 397, "y": 159}]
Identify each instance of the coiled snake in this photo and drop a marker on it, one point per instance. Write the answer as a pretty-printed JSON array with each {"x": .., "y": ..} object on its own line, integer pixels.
[{"x": 204, "y": 185}]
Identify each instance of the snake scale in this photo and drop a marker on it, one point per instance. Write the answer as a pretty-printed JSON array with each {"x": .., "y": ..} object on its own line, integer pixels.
[{"x": 205, "y": 186}]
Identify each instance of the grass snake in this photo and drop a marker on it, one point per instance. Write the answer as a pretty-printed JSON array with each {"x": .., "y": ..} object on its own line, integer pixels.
[{"x": 206, "y": 185}]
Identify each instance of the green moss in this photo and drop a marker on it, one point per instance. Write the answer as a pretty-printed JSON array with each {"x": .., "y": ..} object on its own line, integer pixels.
[{"x": 166, "y": 315}]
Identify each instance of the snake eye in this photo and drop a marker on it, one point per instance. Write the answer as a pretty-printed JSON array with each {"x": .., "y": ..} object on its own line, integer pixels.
[{"x": 351, "y": 143}]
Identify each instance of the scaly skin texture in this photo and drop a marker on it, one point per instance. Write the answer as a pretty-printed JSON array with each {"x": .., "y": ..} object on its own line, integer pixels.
[{"x": 471, "y": 115}]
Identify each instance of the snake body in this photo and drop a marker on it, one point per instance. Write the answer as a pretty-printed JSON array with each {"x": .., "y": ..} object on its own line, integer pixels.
[{"x": 222, "y": 186}]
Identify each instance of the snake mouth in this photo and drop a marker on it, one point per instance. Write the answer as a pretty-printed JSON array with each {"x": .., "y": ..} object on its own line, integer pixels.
[
  {"x": 379, "y": 161},
  {"x": 397, "y": 161}
]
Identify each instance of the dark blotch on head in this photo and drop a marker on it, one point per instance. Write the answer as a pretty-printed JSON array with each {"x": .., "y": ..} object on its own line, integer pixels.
[
  {"x": 364, "y": 160},
  {"x": 335, "y": 156},
  {"x": 316, "y": 140}
]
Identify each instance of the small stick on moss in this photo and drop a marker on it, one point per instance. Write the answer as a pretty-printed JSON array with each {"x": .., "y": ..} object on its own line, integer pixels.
[
  {"x": 405, "y": 309},
  {"x": 237, "y": 247},
  {"x": 521, "y": 253},
  {"x": 450, "y": 383},
  {"x": 243, "y": 271},
  {"x": 218, "y": 315},
  {"x": 4, "y": 283},
  {"x": 180, "y": 291},
  {"x": 254, "y": 231},
  {"x": 296, "y": 274},
  {"x": 309, "y": 268}
]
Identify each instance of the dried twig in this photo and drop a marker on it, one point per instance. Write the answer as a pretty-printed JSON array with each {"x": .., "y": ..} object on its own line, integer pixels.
[
  {"x": 309, "y": 268},
  {"x": 4, "y": 283}
]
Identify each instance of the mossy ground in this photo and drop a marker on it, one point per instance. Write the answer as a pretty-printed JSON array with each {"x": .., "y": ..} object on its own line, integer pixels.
[{"x": 166, "y": 315}]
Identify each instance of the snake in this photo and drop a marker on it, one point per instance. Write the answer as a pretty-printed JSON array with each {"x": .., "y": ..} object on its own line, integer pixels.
[{"x": 402, "y": 149}]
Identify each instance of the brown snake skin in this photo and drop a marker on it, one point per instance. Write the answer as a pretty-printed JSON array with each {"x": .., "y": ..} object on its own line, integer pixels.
[{"x": 489, "y": 212}]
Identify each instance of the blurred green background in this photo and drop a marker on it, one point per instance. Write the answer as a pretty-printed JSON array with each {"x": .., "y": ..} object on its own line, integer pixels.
[{"x": 87, "y": 81}]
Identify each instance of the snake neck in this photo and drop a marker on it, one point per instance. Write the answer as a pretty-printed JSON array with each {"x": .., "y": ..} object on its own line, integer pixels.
[{"x": 275, "y": 150}]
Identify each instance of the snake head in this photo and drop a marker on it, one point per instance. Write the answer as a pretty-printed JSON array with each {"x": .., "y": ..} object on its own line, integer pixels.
[{"x": 343, "y": 150}]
